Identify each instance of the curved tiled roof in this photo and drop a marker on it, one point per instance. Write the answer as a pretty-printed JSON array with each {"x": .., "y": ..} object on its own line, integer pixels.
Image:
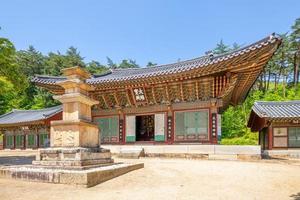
[
  {"x": 25, "y": 116},
  {"x": 117, "y": 75},
  {"x": 277, "y": 110}
]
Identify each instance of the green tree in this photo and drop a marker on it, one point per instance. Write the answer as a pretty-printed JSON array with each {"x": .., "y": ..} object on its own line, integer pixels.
[
  {"x": 151, "y": 64},
  {"x": 221, "y": 48},
  {"x": 8, "y": 95},
  {"x": 73, "y": 58},
  {"x": 8, "y": 66},
  {"x": 295, "y": 50},
  {"x": 31, "y": 61},
  {"x": 128, "y": 64},
  {"x": 95, "y": 67},
  {"x": 110, "y": 63}
]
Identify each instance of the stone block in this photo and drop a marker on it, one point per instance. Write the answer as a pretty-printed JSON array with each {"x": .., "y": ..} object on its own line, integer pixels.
[
  {"x": 131, "y": 152},
  {"x": 222, "y": 157},
  {"x": 238, "y": 149},
  {"x": 201, "y": 149},
  {"x": 175, "y": 149}
]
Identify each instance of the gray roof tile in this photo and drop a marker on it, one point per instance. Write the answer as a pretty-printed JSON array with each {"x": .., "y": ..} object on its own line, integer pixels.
[
  {"x": 277, "y": 110},
  {"x": 136, "y": 73},
  {"x": 23, "y": 116}
]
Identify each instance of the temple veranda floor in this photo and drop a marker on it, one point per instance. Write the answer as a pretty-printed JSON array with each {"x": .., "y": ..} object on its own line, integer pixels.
[{"x": 171, "y": 179}]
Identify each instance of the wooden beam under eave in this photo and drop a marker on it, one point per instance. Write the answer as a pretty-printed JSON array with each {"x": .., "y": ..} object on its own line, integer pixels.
[
  {"x": 128, "y": 98},
  {"x": 167, "y": 93},
  {"x": 153, "y": 94},
  {"x": 181, "y": 92},
  {"x": 105, "y": 101},
  {"x": 197, "y": 89},
  {"x": 116, "y": 99},
  {"x": 145, "y": 95},
  {"x": 133, "y": 96}
]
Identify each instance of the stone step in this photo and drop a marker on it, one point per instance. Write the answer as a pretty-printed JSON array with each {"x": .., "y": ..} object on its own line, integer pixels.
[{"x": 131, "y": 152}]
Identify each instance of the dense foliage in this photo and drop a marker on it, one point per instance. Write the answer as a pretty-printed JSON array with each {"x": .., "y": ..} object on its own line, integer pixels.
[{"x": 279, "y": 80}]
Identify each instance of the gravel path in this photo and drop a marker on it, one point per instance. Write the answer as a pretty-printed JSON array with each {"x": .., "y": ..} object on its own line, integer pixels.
[{"x": 176, "y": 179}]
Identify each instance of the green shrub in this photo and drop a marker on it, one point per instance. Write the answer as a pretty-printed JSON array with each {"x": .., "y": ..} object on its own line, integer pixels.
[{"x": 248, "y": 139}]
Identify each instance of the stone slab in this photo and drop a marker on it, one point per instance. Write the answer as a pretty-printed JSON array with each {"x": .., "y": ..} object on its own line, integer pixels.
[
  {"x": 201, "y": 149},
  {"x": 131, "y": 152},
  {"x": 85, "y": 178},
  {"x": 288, "y": 153},
  {"x": 238, "y": 149},
  {"x": 222, "y": 157}
]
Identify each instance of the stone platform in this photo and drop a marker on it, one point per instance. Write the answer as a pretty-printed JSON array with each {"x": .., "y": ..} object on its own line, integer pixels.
[{"x": 81, "y": 177}]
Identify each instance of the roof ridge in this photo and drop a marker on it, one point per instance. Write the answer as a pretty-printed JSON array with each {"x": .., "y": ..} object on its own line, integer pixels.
[
  {"x": 269, "y": 37},
  {"x": 171, "y": 68},
  {"x": 47, "y": 76},
  {"x": 36, "y": 110},
  {"x": 278, "y": 102},
  {"x": 3, "y": 115}
]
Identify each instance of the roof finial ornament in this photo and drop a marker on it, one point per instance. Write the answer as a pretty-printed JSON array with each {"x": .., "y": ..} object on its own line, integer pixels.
[
  {"x": 210, "y": 54},
  {"x": 272, "y": 36}
]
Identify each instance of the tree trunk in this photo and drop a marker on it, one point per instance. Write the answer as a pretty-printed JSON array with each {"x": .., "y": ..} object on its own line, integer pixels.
[
  {"x": 276, "y": 81},
  {"x": 264, "y": 81},
  {"x": 296, "y": 69},
  {"x": 269, "y": 76},
  {"x": 283, "y": 86}
]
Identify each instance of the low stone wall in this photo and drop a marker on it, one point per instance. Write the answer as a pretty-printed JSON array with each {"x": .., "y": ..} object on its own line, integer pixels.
[{"x": 212, "y": 152}]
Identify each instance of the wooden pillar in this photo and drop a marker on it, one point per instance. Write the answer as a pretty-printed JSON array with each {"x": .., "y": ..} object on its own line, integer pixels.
[
  {"x": 4, "y": 140},
  {"x": 14, "y": 136},
  {"x": 24, "y": 139},
  {"x": 37, "y": 138},
  {"x": 270, "y": 137},
  {"x": 213, "y": 124}
]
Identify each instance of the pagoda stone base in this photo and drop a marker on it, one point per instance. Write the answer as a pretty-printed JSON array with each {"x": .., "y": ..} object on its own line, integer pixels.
[
  {"x": 75, "y": 157},
  {"x": 85, "y": 167},
  {"x": 86, "y": 178}
]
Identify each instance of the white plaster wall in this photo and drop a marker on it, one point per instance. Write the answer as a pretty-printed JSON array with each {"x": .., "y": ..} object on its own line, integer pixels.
[
  {"x": 130, "y": 126},
  {"x": 159, "y": 122}
]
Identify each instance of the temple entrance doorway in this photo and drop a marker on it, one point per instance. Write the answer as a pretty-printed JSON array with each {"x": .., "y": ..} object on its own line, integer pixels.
[{"x": 144, "y": 128}]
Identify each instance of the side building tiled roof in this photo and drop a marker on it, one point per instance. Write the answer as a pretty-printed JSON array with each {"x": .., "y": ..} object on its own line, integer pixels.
[
  {"x": 26, "y": 116},
  {"x": 282, "y": 110}
]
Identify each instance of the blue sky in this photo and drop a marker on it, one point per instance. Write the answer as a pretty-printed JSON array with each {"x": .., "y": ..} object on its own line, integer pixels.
[{"x": 161, "y": 31}]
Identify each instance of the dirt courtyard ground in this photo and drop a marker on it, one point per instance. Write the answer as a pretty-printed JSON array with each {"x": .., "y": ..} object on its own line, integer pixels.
[{"x": 175, "y": 179}]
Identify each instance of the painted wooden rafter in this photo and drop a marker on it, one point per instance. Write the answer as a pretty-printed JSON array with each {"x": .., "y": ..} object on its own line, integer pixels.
[
  {"x": 167, "y": 93},
  {"x": 128, "y": 98},
  {"x": 105, "y": 101},
  {"x": 153, "y": 94}
]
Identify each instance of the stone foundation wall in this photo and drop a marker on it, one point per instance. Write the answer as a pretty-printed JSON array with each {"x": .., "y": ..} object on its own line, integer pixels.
[
  {"x": 211, "y": 152},
  {"x": 284, "y": 153}
]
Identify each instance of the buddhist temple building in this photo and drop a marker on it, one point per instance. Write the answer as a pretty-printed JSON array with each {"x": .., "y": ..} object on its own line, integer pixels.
[
  {"x": 278, "y": 124},
  {"x": 173, "y": 103},
  {"x": 23, "y": 129}
]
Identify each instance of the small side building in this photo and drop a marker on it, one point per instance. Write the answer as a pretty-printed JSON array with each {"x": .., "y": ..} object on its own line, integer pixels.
[
  {"x": 278, "y": 124},
  {"x": 22, "y": 129}
]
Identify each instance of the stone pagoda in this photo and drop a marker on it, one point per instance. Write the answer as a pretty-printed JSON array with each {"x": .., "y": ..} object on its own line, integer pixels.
[
  {"x": 74, "y": 156},
  {"x": 74, "y": 140}
]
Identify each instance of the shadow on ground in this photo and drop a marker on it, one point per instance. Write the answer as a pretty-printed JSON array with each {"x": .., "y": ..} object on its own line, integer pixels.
[
  {"x": 16, "y": 160},
  {"x": 296, "y": 196}
]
